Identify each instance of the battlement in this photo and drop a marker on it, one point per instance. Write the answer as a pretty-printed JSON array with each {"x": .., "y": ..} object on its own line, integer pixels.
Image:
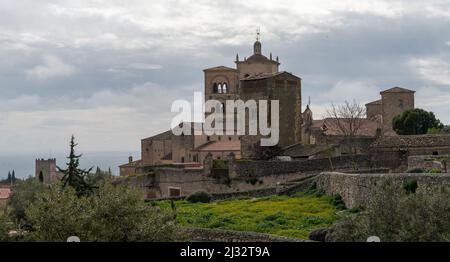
[{"x": 46, "y": 170}]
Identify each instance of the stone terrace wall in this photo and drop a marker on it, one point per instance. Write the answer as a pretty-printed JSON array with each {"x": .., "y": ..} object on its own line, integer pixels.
[
  {"x": 219, "y": 235},
  {"x": 424, "y": 162},
  {"x": 247, "y": 168},
  {"x": 357, "y": 189}
]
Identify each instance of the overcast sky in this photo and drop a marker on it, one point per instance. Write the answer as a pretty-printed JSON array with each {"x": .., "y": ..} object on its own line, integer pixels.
[{"x": 108, "y": 70}]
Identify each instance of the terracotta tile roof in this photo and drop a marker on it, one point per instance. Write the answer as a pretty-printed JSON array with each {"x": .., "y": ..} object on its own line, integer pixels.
[
  {"x": 397, "y": 90},
  {"x": 5, "y": 192},
  {"x": 368, "y": 127},
  {"x": 234, "y": 145},
  {"x": 413, "y": 141},
  {"x": 161, "y": 136},
  {"x": 267, "y": 75},
  {"x": 220, "y": 68}
]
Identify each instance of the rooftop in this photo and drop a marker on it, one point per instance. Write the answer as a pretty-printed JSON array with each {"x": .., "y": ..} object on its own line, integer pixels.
[
  {"x": 368, "y": 127},
  {"x": 5, "y": 192},
  {"x": 267, "y": 75},
  {"x": 397, "y": 90},
  {"x": 234, "y": 145}
]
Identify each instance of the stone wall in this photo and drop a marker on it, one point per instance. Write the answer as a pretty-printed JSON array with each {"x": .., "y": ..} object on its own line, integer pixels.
[
  {"x": 428, "y": 162},
  {"x": 357, "y": 189},
  {"x": 219, "y": 235},
  {"x": 248, "y": 168}
]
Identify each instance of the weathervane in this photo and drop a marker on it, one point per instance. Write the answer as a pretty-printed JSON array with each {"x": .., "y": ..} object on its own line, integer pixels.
[{"x": 258, "y": 33}]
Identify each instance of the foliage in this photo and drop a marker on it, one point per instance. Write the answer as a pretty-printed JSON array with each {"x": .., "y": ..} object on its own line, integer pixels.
[
  {"x": 220, "y": 164},
  {"x": 438, "y": 131},
  {"x": 410, "y": 186},
  {"x": 4, "y": 227},
  {"x": 415, "y": 122},
  {"x": 98, "y": 177},
  {"x": 74, "y": 176},
  {"x": 294, "y": 216},
  {"x": 338, "y": 202},
  {"x": 25, "y": 193},
  {"x": 114, "y": 214},
  {"x": 435, "y": 171},
  {"x": 417, "y": 170},
  {"x": 395, "y": 215},
  {"x": 199, "y": 197}
]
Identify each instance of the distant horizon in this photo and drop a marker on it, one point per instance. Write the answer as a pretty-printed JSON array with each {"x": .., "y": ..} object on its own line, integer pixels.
[
  {"x": 24, "y": 164},
  {"x": 108, "y": 71}
]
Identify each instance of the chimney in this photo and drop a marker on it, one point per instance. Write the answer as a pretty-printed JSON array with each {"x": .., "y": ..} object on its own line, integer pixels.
[{"x": 130, "y": 159}]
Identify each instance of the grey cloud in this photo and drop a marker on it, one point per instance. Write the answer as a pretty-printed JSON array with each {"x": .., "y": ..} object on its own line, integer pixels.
[{"x": 118, "y": 67}]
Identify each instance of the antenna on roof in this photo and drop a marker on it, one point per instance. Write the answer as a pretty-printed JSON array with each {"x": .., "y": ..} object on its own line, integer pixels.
[{"x": 309, "y": 100}]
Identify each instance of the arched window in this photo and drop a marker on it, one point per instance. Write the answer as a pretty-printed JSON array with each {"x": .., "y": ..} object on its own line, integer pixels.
[
  {"x": 219, "y": 87},
  {"x": 224, "y": 88},
  {"x": 215, "y": 88}
]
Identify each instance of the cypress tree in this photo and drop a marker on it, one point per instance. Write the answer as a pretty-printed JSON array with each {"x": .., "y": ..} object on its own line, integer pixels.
[{"x": 73, "y": 175}]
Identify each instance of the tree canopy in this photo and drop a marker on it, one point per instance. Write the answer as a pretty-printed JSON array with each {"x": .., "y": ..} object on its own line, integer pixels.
[
  {"x": 73, "y": 175},
  {"x": 415, "y": 122}
]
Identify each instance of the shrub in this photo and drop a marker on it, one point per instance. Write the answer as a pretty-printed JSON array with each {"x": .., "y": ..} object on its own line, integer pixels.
[
  {"x": 113, "y": 214},
  {"x": 435, "y": 171},
  {"x": 337, "y": 201},
  {"x": 417, "y": 170},
  {"x": 395, "y": 215},
  {"x": 199, "y": 197},
  {"x": 25, "y": 193},
  {"x": 410, "y": 186}
]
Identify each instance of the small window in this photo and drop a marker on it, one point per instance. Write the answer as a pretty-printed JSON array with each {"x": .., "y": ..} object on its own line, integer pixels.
[
  {"x": 218, "y": 157},
  {"x": 435, "y": 153},
  {"x": 224, "y": 88},
  {"x": 400, "y": 103},
  {"x": 215, "y": 88},
  {"x": 182, "y": 159},
  {"x": 229, "y": 138},
  {"x": 219, "y": 138},
  {"x": 174, "y": 192},
  {"x": 208, "y": 138}
]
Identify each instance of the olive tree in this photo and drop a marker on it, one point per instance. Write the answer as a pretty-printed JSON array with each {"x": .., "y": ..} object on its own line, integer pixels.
[{"x": 113, "y": 214}]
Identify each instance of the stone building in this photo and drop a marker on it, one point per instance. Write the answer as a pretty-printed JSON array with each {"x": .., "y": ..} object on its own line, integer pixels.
[
  {"x": 378, "y": 121},
  {"x": 5, "y": 193},
  {"x": 254, "y": 78},
  {"x": 394, "y": 151},
  {"x": 394, "y": 101},
  {"x": 46, "y": 169}
]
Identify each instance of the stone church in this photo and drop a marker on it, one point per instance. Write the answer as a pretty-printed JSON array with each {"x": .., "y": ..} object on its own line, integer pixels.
[
  {"x": 255, "y": 77},
  {"x": 258, "y": 77}
]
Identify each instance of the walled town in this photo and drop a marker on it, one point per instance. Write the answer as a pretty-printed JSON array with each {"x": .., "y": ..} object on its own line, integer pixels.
[{"x": 342, "y": 154}]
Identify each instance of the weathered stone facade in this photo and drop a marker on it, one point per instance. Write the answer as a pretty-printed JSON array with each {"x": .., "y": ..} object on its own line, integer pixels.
[
  {"x": 255, "y": 78},
  {"x": 395, "y": 101},
  {"x": 48, "y": 170},
  {"x": 394, "y": 151}
]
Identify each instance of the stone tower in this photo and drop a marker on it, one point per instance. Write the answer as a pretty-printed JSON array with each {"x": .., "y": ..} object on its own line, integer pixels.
[
  {"x": 394, "y": 102},
  {"x": 48, "y": 170}
]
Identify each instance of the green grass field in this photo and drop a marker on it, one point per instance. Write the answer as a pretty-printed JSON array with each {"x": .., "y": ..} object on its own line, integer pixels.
[{"x": 294, "y": 216}]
